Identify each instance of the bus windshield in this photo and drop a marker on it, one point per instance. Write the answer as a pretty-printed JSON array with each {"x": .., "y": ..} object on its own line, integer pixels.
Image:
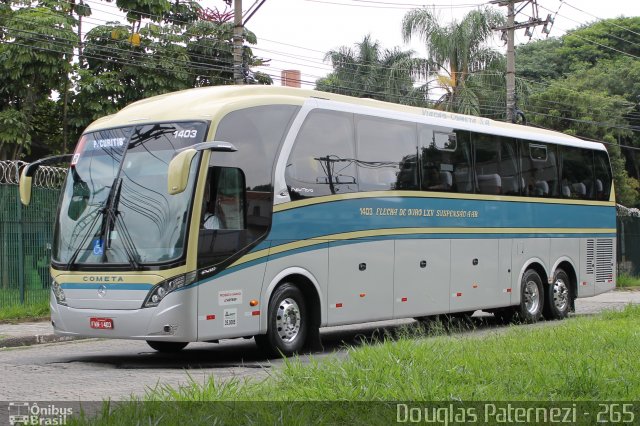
[{"x": 115, "y": 207}]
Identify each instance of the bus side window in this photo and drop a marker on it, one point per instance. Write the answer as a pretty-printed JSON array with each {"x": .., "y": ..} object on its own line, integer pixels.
[
  {"x": 387, "y": 152},
  {"x": 223, "y": 222},
  {"x": 576, "y": 168},
  {"x": 322, "y": 161},
  {"x": 462, "y": 164},
  {"x": 539, "y": 169},
  {"x": 602, "y": 172}
]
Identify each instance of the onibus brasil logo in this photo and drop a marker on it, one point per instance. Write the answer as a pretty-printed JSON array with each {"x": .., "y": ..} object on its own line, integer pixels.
[{"x": 26, "y": 413}]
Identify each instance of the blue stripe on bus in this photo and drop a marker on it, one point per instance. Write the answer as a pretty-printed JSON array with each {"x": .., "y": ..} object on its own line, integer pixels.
[
  {"x": 96, "y": 286},
  {"x": 346, "y": 216}
]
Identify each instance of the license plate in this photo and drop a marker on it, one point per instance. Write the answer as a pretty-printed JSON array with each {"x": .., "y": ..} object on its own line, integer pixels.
[{"x": 101, "y": 323}]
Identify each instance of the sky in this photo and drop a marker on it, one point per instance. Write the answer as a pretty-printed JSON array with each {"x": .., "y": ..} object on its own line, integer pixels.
[{"x": 296, "y": 34}]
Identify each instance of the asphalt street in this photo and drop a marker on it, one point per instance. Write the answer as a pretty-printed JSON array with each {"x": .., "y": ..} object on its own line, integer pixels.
[{"x": 94, "y": 369}]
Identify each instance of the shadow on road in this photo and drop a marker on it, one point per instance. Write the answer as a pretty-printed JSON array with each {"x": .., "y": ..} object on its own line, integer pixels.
[{"x": 243, "y": 353}]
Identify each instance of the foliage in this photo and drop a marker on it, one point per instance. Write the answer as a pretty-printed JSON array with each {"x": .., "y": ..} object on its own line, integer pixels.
[
  {"x": 48, "y": 95},
  {"x": 587, "y": 83},
  {"x": 627, "y": 281},
  {"x": 25, "y": 312},
  {"x": 369, "y": 71},
  {"x": 35, "y": 54},
  {"x": 457, "y": 50}
]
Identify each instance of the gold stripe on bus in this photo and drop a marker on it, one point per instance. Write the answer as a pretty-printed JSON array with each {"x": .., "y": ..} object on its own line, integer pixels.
[
  {"x": 355, "y": 235},
  {"x": 428, "y": 194}
]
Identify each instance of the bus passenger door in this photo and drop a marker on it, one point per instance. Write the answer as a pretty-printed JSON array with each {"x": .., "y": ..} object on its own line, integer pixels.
[
  {"x": 360, "y": 281},
  {"x": 421, "y": 277}
]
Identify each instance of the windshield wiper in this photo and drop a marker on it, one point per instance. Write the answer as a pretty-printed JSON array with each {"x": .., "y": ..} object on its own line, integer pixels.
[
  {"x": 112, "y": 216},
  {"x": 76, "y": 252}
]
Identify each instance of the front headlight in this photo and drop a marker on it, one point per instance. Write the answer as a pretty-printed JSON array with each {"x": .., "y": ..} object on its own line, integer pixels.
[
  {"x": 160, "y": 290},
  {"x": 58, "y": 292}
]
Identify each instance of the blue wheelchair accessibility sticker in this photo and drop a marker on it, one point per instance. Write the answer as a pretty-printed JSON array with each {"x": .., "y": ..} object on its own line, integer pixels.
[{"x": 97, "y": 248}]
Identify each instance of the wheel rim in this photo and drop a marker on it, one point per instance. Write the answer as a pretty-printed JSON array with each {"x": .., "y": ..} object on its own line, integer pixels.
[
  {"x": 288, "y": 320},
  {"x": 532, "y": 297},
  {"x": 560, "y": 294}
]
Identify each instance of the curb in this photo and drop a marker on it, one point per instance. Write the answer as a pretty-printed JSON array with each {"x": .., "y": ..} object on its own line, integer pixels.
[{"x": 18, "y": 341}]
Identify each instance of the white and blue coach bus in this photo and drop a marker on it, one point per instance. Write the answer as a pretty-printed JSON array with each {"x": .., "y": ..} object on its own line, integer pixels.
[{"x": 231, "y": 212}]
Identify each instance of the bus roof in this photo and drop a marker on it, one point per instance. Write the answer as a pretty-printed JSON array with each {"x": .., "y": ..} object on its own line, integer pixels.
[{"x": 207, "y": 103}]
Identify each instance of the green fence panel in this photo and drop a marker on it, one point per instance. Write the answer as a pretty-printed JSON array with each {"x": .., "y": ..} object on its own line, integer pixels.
[
  {"x": 629, "y": 245},
  {"x": 25, "y": 234}
]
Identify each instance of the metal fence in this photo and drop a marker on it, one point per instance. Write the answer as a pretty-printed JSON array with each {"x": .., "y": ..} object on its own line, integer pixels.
[
  {"x": 26, "y": 234},
  {"x": 629, "y": 245}
]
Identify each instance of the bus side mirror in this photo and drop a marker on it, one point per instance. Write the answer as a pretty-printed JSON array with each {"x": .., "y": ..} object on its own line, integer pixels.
[
  {"x": 178, "y": 174},
  {"x": 26, "y": 177},
  {"x": 26, "y": 182}
]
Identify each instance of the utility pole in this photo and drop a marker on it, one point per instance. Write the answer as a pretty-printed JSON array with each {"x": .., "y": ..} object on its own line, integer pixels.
[
  {"x": 508, "y": 33},
  {"x": 238, "y": 30}
]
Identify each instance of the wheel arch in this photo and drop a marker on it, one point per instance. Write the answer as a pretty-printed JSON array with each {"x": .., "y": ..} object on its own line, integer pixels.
[
  {"x": 307, "y": 283},
  {"x": 537, "y": 265}
]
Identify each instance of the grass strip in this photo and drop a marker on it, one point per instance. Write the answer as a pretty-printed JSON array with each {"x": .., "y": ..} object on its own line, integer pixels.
[
  {"x": 627, "y": 281},
  {"x": 579, "y": 359},
  {"x": 24, "y": 312}
]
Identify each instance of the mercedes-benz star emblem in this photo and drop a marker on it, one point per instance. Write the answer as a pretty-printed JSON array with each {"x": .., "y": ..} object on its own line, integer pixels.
[{"x": 102, "y": 290}]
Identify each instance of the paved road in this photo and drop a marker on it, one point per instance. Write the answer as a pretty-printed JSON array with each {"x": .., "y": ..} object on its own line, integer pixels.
[{"x": 90, "y": 370}]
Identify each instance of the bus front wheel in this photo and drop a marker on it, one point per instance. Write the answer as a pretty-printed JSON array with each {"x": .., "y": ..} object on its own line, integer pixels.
[
  {"x": 531, "y": 297},
  {"x": 287, "y": 322},
  {"x": 167, "y": 347}
]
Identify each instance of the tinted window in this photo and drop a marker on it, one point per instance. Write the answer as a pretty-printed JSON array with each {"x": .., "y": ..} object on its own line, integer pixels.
[
  {"x": 223, "y": 220},
  {"x": 496, "y": 165},
  {"x": 576, "y": 170},
  {"x": 387, "y": 154},
  {"x": 602, "y": 169},
  {"x": 322, "y": 161},
  {"x": 445, "y": 160},
  {"x": 462, "y": 166},
  {"x": 257, "y": 133},
  {"x": 487, "y": 152},
  {"x": 539, "y": 169}
]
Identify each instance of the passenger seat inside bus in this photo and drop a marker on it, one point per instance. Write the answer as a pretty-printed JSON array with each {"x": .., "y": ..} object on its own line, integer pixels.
[
  {"x": 490, "y": 184},
  {"x": 541, "y": 189}
]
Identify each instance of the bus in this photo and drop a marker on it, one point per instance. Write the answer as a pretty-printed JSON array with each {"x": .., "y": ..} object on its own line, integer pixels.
[{"x": 270, "y": 212}]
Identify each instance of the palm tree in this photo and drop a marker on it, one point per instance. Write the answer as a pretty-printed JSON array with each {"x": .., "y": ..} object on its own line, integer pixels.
[
  {"x": 368, "y": 71},
  {"x": 458, "y": 51}
]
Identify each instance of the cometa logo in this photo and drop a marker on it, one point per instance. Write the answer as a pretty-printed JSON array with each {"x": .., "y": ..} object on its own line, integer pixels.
[{"x": 105, "y": 279}]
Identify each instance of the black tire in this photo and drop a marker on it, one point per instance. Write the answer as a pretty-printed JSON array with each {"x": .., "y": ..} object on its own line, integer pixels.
[
  {"x": 558, "y": 296},
  {"x": 167, "y": 347},
  {"x": 531, "y": 298},
  {"x": 287, "y": 322}
]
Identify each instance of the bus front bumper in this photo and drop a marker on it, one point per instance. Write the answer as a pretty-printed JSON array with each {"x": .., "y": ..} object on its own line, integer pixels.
[{"x": 172, "y": 320}]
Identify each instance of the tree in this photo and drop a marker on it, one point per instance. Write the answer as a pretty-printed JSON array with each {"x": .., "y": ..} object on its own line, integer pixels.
[
  {"x": 589, "y": 87},
  {"x": 369, "y": 71},
  {"x": 165, "y": 48},
  {"x": 35, "y": 55},
  {"x": 458, "y": 51}
]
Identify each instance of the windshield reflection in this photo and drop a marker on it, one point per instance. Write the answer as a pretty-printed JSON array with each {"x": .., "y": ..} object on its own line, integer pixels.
[{"x": 115, "y": 208}]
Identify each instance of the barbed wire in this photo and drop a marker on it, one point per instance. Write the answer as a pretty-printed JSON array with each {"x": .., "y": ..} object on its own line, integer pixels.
[{"x": 47, "y": 177}]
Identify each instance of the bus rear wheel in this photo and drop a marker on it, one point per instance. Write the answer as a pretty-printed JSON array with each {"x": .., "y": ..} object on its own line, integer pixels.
[
  {"x": 167, "y": 347},
  {"x": 531, "y": 297},
  {"x": 287, "y": 322},
  {"x": 558, "y": 300}
]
